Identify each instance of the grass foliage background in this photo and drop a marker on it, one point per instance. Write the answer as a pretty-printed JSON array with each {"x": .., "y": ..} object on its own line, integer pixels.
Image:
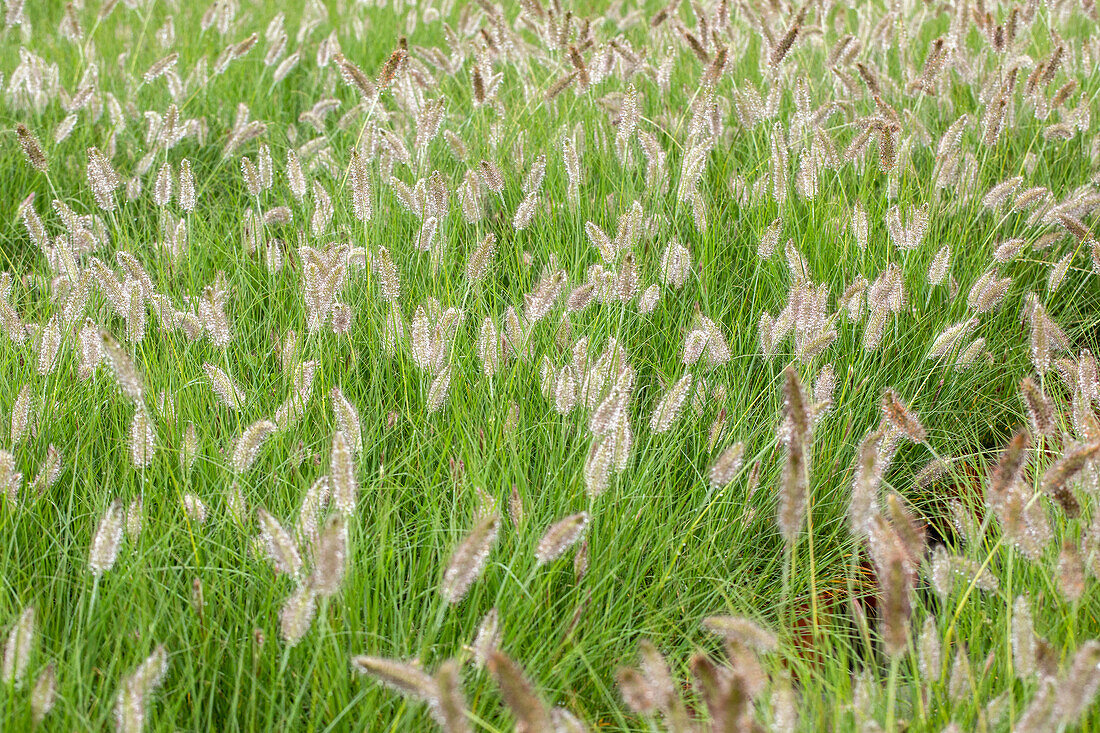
[{"x": 665, "y": 548}]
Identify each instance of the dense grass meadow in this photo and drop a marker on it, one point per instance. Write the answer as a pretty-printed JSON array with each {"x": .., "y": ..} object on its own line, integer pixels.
[{"x": 372, "y": 366}]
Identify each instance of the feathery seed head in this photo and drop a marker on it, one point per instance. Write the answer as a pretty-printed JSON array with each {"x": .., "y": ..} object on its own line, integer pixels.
[
  {"x": 560, "y": 536},
  {"x": 468, "y": 559},
  {"x": 107, "y": 539}
]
